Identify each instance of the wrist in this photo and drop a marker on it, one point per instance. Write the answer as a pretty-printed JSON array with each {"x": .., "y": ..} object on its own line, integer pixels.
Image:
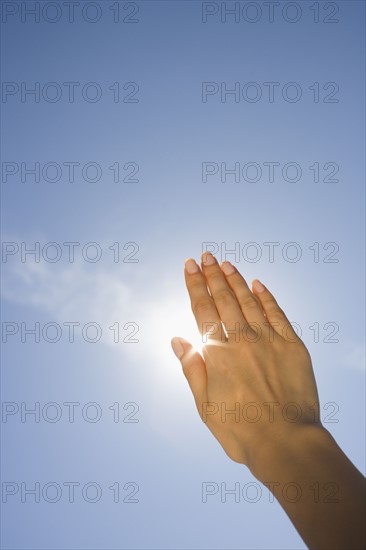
[{"x": 280, "y": 451}]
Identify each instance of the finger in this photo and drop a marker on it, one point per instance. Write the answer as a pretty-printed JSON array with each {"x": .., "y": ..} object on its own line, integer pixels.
[
  {"x": 203, "y": 306},
  {"x": 194, "y": 369},
  {"x": 224, "y": 298},
  {"x": 250, "y": 305},
  {"x": 274, "y": 314}
]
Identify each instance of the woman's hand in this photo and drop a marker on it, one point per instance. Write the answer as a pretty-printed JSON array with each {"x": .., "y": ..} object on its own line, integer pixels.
[
  {"x": 255, "y": 389},
  {"x": 255, "y": 383}
]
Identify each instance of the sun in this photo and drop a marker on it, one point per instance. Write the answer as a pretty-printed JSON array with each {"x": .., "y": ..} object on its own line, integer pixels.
[
  {"x": 165, "y": 319},
  {"x": 177, "y": 319}
]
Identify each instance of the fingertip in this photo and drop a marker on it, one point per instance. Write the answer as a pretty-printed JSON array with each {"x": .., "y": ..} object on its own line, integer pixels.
[
  {"x": 228, "y": 268},
  {"x": 177, "y": 347},
  {"x": 207, "y": 258},
  {"x": 191, "y": 266},
  {"x": 180, "y": 346},
  {"x": 257, "y": 286}
]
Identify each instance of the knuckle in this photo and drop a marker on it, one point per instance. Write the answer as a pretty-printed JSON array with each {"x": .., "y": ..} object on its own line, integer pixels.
[
  {"x": 248, "y": 302},
  {"x": 275, "y": 315},
  {"x": 195, "y": 283},
  {"x": 216, "y": 274},
  {"x": 273, "y": 309},
  {"x": 202, "y": 305},
  {"x": 188, "y": 370},
  {"x": 223, "y": 296}
]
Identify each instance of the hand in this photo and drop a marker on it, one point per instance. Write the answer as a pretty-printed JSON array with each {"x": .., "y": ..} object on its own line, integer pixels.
[
  {"x": 254, "y": 385},
  {"x": 255, "y": 389}
]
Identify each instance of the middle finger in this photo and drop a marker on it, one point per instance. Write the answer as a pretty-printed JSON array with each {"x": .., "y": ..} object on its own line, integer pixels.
[{"x": 224, "y": 298}]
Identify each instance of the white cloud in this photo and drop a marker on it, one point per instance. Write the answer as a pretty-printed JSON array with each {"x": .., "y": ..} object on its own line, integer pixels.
[
  {"x": 89, "y": 293},
  {"x": 75, "y": 292}
]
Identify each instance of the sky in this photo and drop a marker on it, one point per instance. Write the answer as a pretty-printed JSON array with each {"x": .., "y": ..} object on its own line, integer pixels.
[{"x": 135, "y": 135}]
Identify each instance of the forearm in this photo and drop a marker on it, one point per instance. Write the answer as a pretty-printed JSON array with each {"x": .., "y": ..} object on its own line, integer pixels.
[{"x": 319, "y": 488}]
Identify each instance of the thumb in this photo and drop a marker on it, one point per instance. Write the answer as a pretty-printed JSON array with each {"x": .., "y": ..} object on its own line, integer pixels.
[{"x": 194, "y": 368}]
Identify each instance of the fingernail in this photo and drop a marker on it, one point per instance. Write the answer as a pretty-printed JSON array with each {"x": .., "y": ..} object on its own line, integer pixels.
[
  {"x": 257, "y": 285},
  {"x": 191, "y": 266},
  {"x": 177, "y": 347},
  {"x": 227, "y": 268},
  {"x": 208, "y": 259}
]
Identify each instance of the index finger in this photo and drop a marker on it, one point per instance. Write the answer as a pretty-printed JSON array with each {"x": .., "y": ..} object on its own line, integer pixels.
[{"x": 203, "y": 306}]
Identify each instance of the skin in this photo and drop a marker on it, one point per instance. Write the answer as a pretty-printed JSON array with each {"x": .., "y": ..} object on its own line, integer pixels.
[{"x": 254, "y": 387}]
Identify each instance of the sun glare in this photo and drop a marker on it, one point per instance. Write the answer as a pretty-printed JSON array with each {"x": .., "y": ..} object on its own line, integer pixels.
[{"x": 173, "y": 317}]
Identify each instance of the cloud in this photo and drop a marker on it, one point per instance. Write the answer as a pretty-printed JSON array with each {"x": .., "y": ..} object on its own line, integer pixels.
[
  {"x": 75, "y": 292},
  {"x": 84, "y": 293}
]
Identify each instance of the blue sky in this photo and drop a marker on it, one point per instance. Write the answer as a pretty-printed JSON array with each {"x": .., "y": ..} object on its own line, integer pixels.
[{"x": 169, "y": 213}]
